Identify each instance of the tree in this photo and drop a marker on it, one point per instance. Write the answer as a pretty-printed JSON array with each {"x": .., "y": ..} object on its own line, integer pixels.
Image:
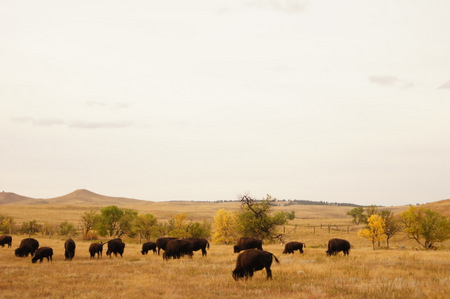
[
  {"x": 392, "y": 225},
  {"x": 109, "y": 221},
  {"x": 126, "y": 223},
  {"x": 145, "y": 226},
  {"x": 371, "y": 210},
  {"x": 255, "y": 219},
  {"x": 200, "y": 230},
  {"x": 67, "y": 229},
  {"x": 358, "y": 215},
  {"x": 374, "y": 231},
  {"x": 6, "y": 224},
  {"x": 225, "y": 224},
  {"x": 178, "y": 227},
  {"x": 31, "y": 227},
  {"x": 89, "y": 220},
  {"x": 425, "y": 226}
]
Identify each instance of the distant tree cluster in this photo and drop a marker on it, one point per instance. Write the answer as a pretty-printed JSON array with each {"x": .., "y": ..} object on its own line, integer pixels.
[{"x": 423, "y": 225}]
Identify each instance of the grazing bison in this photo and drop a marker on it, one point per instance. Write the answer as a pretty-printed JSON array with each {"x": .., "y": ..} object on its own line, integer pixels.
[
  {"x": 96, "y": 248},
  {"x": 199, "y": 243},
  {"x": 69, "y": 247},
  {"x": 336, "y": 245},
  {"x": 27, "y": 246},
  {"x": 115, "y": 246},
  {"x": 148, "y": 246},
  {"x": 5, "y": 240},
  {"x": 162, "y": 242},
  {"x": 252, "y": 260},
  {"x": 293, "y": 246},
  {"x": 247, "y": 243},
  {"x": 178, "y": 248},
  {"x": 42, "y": 252}
]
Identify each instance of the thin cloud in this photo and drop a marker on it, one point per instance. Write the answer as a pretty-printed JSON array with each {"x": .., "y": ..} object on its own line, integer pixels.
[
  {"x": 288, "y": 6},
  {"x": 99, "y": 125},
  {"x": 45, "y": 122},
  {"x": 383, "y": 79},
  {"x": 445, "y": 85}
]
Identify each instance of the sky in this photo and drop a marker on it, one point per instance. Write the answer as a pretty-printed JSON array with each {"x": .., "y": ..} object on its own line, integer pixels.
[{"x": 338, "y": 101}]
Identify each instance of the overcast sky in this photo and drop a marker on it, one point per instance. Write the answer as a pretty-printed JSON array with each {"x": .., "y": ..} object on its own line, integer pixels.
[{"x": 340, "y": 101}]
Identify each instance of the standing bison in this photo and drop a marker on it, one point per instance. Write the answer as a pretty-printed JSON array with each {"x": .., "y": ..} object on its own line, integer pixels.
[
  {"x": 5, "y": 240},
  {"x": 69, "y": 249},
  {"x": 247, "y": 243},
  {"x": 115, "y": 246},
  {"x": 199, "y": 243},
  {"x": 96, "y": 248},
  {"x": 161, "y": 243},
  {"x": 41, "y": 253},
  {"x": 252, "y": 260},
  {"x": 293, "y": 246},
  {"x": 27, "y": 246},
  {"x": 148, "y": 246},
  {"x": 336, "y": 245},
  {"x": 178, "y": 248}
]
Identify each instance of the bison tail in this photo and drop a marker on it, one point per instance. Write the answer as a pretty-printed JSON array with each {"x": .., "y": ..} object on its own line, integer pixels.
[{"x": 276, "y": 260}]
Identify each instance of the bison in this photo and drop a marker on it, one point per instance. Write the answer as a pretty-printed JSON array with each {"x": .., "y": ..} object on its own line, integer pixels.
[
  {"x": 148, "y": 246},
  {"x": 5, "y": 240},
  {"x": 336, "y": 245},
  {"x": 252, "y": 260},
  {"x": 293, "y": 246},
  {"x": 69, "y": 249},
  {"x": 42, "y": 252},
  {"x": 27, "y": 246},
  {"x": 161, "y": 243},
  {"x": 177, "y": 249},
  {"x": 199, "y": 243},
  {"x": 115, "y": 246},
  {"x": 247, "y": 243},
  {"x": 96, "y": 248}
]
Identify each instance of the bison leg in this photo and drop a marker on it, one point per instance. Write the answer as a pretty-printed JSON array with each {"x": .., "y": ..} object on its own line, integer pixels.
[
  {"x": 269, "y": 273},
  {"x": 204, "y": 252}
]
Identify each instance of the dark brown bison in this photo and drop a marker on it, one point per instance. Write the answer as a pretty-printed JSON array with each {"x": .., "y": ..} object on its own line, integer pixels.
[
  {"x": 199, "y": 243},
  {"x": 247, "y": 243},
  {"x": 5, "y": 240},
  {"x": 178, "y": 248},
  {"x": 162, "y": 242},
  {"x": 27, "y": 246},
  {"x": 293, "y": 246},
  {"x": 69, "y": 249},
  {"x": 96, "y": 248},
  {"x": 252, "y": 260},
  {"x": 148, "y": 246},
  {"x": 115, "y": 246},
  {"x": 42, "y": 252},
  {"x": 336, "y": 245}
]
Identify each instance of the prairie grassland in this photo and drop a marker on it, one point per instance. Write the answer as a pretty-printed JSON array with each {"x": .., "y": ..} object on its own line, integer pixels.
[{"x": 364, "y": 274}]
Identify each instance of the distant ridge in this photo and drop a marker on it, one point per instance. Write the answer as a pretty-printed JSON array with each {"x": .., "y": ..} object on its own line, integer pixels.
[{"x": 77, "y": 197}]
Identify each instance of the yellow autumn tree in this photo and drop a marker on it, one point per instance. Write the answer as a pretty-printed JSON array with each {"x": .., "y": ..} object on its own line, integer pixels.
[
  {"x": 375, "y": 230},
  {"x": 225, "y": 227}
]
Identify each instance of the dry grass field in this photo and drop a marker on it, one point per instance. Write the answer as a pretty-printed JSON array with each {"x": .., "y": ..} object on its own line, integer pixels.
[
  {"x": 404, "y": 271},
  {"x": 364, "y": 274}
]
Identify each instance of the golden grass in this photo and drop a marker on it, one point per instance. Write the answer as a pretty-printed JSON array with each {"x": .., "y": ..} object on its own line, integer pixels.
[{"x": 364, "y": 274}]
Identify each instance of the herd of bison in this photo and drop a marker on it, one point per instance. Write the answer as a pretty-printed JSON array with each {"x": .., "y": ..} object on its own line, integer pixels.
[{"x": 253, "y": 257}]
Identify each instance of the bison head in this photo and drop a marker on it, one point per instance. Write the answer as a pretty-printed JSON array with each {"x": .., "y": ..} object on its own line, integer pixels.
[
  {"x": 237, "y": 273},
  {"x": 236, "y": 248},
  {"x": 19, "y": 252}
]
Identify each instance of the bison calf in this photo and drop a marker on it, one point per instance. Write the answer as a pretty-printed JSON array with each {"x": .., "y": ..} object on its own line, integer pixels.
[
  {"x": 96, "y": 248},
  {"x": 253, "y": 260},
  {"x": 293, "y": 246},
  {"x": 336, "y": 245},
  {"x": 42, "y": 252},
  {"x": 148, "y": 246},
  {"x": 5, "y": 240}
]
